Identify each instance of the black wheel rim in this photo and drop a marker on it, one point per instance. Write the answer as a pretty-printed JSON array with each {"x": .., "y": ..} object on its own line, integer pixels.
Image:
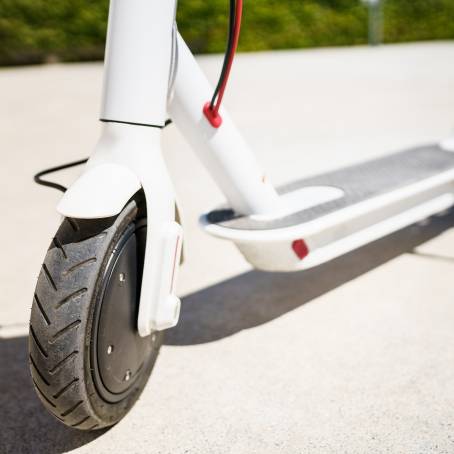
[{"x": 118, "y": 353}]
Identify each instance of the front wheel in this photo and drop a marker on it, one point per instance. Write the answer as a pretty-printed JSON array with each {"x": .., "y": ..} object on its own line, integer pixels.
[{"x": 87, "y": 360}]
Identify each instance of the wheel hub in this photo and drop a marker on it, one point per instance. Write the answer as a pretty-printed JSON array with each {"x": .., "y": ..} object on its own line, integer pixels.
[{"x": 118, "y": 351}]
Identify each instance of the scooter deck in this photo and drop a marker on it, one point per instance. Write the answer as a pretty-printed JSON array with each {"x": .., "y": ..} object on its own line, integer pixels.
[
  {"x": 376, "y": 198},
  {"x": 359, "y": 183}
]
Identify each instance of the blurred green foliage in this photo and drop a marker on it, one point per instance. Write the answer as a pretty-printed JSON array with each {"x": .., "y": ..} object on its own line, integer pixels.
[{"x": 33, "y": 31}]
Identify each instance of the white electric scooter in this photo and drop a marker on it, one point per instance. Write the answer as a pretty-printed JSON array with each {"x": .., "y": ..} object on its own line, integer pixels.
[{"x": 106, "y": 290}]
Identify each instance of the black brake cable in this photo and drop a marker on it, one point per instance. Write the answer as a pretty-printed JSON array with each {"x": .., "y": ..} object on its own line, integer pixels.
[
  {"x": 234, "y": 16},
  {"x": 50, "y": 184},
  {"x": 37, "y": 178},
  {"x": 211, "y": 108},
  {"x": 228, "y": 52}
]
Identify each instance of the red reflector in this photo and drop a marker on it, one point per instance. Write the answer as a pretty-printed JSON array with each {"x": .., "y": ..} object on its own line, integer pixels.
[{"x": 300, "y": 248}]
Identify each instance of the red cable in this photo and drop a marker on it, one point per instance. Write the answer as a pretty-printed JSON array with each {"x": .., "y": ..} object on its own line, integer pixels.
[{"x": 213, "y": 114}]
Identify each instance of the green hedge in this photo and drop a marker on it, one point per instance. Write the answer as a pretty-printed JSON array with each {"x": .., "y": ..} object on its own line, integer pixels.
[{"x": 33, "y": 31}]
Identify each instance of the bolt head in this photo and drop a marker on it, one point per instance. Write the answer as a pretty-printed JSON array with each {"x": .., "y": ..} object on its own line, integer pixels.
[
  {"x": 110, "y": 349},
  {"x": 127, "y": 375}
]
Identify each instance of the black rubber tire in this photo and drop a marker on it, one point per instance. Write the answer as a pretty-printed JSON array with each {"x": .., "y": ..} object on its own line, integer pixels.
[{"x": 65, "y": 304}]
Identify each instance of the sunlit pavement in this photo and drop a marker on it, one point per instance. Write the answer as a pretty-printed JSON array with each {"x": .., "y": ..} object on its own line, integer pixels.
[{"x": 355, "y": 356}]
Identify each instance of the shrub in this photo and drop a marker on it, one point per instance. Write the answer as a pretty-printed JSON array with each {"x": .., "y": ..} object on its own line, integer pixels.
[{"x": 33, "y": 31}]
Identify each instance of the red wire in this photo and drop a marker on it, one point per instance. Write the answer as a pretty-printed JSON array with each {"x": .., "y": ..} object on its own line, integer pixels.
[
  {"x": 213, "y": 114},
  {"x": 236, "y": 37}
]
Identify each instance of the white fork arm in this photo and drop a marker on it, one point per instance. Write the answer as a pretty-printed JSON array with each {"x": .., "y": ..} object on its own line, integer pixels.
[{"x": 127, "y": 158}]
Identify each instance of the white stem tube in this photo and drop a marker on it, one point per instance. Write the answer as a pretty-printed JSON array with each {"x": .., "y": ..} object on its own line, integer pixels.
[{"x": 137, "y": 64}]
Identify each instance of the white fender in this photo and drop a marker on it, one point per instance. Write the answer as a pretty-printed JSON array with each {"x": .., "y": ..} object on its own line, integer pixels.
[{"x": 100, "y": 192}]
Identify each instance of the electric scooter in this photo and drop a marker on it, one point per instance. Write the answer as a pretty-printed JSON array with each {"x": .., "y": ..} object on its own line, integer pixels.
[{"x": 106, "y": 291}]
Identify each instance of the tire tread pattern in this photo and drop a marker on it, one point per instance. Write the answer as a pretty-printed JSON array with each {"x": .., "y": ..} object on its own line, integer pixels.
[{"x": 58, "y": 312}]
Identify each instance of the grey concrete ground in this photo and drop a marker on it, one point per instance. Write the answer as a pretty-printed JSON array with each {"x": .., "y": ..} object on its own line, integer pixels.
[{"x": 356, "y": 356}]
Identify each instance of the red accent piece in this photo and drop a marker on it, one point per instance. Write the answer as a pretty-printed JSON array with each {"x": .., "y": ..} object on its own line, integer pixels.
[
  {"x": 300, "y": 248},
  {"x": 174, "y": 264},
  {"x": 212, "y": 116}
]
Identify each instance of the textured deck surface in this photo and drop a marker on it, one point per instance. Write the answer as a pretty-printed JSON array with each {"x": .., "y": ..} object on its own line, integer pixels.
[{"x": 359, "y": 182}]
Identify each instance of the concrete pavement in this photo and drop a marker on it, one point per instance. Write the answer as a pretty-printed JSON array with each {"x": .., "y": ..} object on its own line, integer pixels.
[{"x": 355, "y": 356}]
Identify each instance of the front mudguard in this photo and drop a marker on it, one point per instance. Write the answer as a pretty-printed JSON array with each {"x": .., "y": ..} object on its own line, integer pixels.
[
  {"x": 100, "y": 192},
  {"x": 126, "y": 159}
]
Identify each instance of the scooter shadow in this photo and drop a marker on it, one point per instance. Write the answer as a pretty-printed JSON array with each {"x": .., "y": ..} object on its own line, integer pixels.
[
  {"x": 255, "y": 298},
  {"x": 25, "y": 427}
]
